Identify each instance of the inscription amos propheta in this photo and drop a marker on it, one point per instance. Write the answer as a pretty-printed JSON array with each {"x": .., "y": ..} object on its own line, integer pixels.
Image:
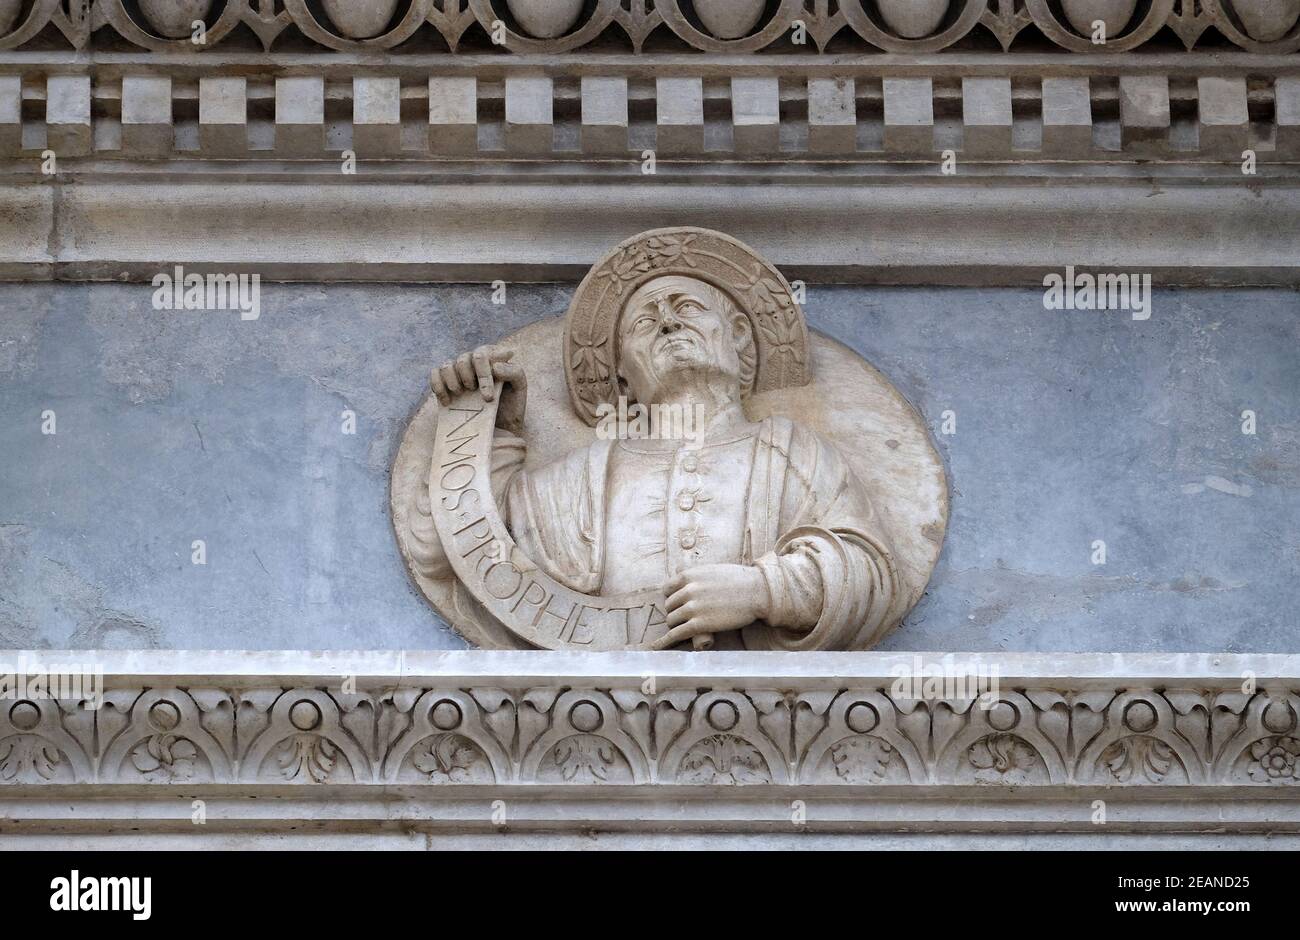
[{"x": 487, "y": 561}]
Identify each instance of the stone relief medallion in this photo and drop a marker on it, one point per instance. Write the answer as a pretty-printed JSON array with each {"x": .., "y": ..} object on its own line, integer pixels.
[{"x": 677, "y": 461}]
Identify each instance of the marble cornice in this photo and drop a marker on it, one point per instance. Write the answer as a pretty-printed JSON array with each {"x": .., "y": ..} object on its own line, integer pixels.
[{"x": 482, "y": 742}]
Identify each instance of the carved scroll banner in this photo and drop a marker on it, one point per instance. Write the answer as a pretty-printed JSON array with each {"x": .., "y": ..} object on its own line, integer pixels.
[{"x": 528, "y": 601}]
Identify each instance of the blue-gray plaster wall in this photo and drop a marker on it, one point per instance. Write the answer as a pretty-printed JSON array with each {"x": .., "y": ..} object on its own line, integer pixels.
[{"x": 1070, "y": 427}]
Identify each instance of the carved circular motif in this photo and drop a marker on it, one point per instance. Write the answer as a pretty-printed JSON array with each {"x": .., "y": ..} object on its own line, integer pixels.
[
  {"x": 360, "y": 20},
  {"x": 722, "y": 715},
  {"x": 861, "y": 717},
  {"x": 812, "y": 380},
  {"x": 115, "y": 12},
  {"x": 164, "y": 716},
  {"x": 586, "y": 716},
  {"x": 601, "y": 17},
  {"x": 37, "y": 17},
  {"x": 301, "y": 14},
  {"x": 1003, "y": 716},
  {"x": 1140, "y": 716},
  {"x": 1134, "y": 36},
  {"x": 25, "y": 715},
  {"x": 445, "y": 715},
  {"x": 678, "y": 22},
  {"x": 305, "y": 715},
  {"x": 1229, "y": 21},
  {"x": 862, "y": 23}
]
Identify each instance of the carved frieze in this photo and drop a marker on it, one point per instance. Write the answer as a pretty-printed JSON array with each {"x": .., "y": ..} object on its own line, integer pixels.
[
  {"x": 614, "y": 733},
  {"x": 558, "y": 26}
]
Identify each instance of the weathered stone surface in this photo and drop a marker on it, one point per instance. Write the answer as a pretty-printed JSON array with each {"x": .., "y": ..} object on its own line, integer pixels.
[
  {"x": 376, "y": 116},
  {"x": 1067, "y": 117},
  {"x": 986, "y": 116},
  {"x": 832, "y": 116},
  {"x": 1288, "y": 115},
  {"x": 1144, "y": 110},
  {"x": 11, "y": 114},
  {"x": 147, "y": 114},
  {"x": 756, "y": 115},
  {"x": 1224, "y": 119},
  {"x": 679, "y": 116},
  {"x": 453, "y": 115},
  {"x": 909, "y": 115},
  {"x": 530, "y": 126},
  {"x": 223, "y": 116},
  {"x": 300, "y": 115},
  {"x": 67, "y": 114},
  {"x": 604, "y": 115}
]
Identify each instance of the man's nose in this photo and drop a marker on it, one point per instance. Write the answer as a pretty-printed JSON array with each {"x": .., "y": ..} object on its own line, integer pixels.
[{"x": 668, "y": 322}]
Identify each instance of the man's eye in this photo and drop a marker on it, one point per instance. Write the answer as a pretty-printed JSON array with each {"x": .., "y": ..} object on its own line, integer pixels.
[
  {"x": 689, "y": 309},
  {"x": 644, "y": 322}
]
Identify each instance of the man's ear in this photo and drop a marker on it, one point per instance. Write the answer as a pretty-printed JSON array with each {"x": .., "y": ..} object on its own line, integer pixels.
[
  {"x": 742, "y": 331},
  {"x": 620, "y": 382}
]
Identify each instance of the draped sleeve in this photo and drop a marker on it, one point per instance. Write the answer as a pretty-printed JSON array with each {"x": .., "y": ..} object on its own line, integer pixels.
[{"x": 820, "y": 546}]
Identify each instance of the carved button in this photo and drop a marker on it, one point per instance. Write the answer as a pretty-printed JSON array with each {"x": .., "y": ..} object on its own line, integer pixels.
[
  {"x": 445, "y": 715},
  {"x": 25, "y": 716},
  {"x": 686, "y": 502},
  {"x": 1003, "y": 716},
  {"x": 305, "y": 715},
  {"x": 1140, "y": 716},
  {"x": 722, "y": 715},
  {"x": 164, "y": 716},
  {"x": 690, "y": 463},
  {"x": 585, "y": 716},
  {"x": 687, "y": 540},
  {"x": 861, "y": 717}
]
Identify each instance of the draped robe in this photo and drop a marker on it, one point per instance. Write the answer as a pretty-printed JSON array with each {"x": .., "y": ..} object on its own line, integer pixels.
[{"x": 806, "y": 523}]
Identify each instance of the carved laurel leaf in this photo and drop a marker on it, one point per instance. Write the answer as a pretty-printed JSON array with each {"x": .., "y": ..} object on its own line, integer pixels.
[
  {"x": 309, "y": 756},
  {"x": 724, "y": 759},
  {"x": 863, "y": 759},
  {"x": 585, "y": 758},
  {"x": 1138, "y": 756},
  {"x": 449, "y": 758},
  {"x": 28, "y": 757},
  {"x": 590, "y": 363}
]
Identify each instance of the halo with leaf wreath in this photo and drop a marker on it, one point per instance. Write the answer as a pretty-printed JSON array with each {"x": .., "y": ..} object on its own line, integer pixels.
[{"x": 756, "y": 287}]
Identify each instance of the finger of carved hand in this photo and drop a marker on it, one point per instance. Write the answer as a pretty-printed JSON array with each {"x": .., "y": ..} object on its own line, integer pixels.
[
  {"x": 499, "y": 354},
  {"x": 439, "y": 387},
  {"x": 483, "y": 371},
  {"x": 675, "y": 584},
  {"x": 682, "y": 614},
  {"x": 679, "y": 597},
  {"x": 465, "y": 372},
  {"x": 680, "y": 634},
  {"x": 449, "y": 380},
  {"x": 509, "y": 372}
]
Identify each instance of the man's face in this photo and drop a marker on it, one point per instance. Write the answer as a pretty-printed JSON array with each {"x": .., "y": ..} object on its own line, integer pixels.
[{"x": 671, "y": 327}]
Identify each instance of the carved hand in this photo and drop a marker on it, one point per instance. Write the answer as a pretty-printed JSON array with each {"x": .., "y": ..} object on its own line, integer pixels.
[
  {"x": 709, "y": 599},
  {"x": 482, "y": 368}
]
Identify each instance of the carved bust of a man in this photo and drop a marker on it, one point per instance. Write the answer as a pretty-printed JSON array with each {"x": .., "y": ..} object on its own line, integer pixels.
[{"x": 757, "y": 533}]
